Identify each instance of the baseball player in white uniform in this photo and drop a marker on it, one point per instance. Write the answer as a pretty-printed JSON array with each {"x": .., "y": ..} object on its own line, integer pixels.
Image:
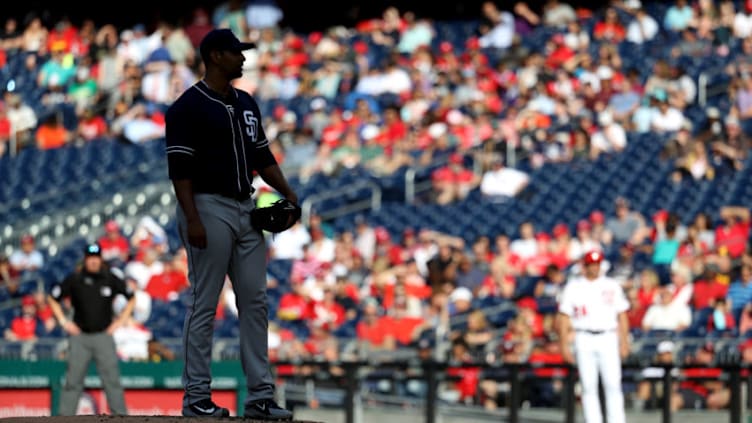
[{"x": 594, "y": 307}]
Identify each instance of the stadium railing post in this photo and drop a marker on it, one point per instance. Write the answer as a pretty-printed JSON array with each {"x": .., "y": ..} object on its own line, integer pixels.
[
  {"x": 666, "y": 401},
  {"x": 735, "y": 402},
  {"x": 514, "y": 400},
  {"x": 569, "y": 397},
  {"x": 429, "y": 369}
]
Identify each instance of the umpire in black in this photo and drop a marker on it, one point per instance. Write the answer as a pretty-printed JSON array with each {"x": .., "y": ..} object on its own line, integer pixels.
[{"x": 91, "y": 292}]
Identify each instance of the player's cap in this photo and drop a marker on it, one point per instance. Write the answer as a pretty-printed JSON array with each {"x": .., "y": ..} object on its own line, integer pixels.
[
  {"x": 92, "y": 250},
  {"x": 222, "y": 39},
  {"x": 665, "y": 347},
  {"x": 592, "y": 257}
]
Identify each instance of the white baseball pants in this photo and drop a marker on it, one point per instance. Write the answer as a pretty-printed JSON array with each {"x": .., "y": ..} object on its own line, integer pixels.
[{"x": 599, "y": 353}]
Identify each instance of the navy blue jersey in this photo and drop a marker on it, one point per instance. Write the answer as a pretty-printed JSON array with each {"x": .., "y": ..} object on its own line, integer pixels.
[{"x": 216, "y": 142}]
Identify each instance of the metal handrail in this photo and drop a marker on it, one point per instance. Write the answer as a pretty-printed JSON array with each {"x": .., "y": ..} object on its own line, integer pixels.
[
  {"x": 373, "y": 203},
  {"x": 702, "y": 89}
]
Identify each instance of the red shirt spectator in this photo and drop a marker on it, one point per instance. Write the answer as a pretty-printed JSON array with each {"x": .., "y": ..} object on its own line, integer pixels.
[
  {"x": 549, "y": 354},
  {"x": 731, "y": 237},
  {"x": 167, "y": 285},
  {"x": 609, "y": 29},
  {"x": 114, "y": 245},
  {"x": 705, "y": 291},
  {"x": 560, "y": 54},
  {"x": 328, "y": 313},
  {"x": 468, "y": 376},
  {"x": 375, "y": 332},
  {"x": 24, "y": 327},
  {"x": 372, "y": 327},
  {"x": 91, "y": 126},
  {"x": 403, "y": 328},
  {"x": 294, "y": 305}
]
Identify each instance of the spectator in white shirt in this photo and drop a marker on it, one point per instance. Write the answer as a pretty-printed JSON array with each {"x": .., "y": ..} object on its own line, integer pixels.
[
  {"x": 558, "y": 14},
  {"x": 526, "y": 246},
  {"x": 501, "y": 183},
  {"x": 142, "y": 271},
  {"x": 642, "y": 28},
  {"x": 498, "y": 31},
  {"x": 610, "y": 138},
  {"x": 666, "y": 118},
  {"x": 288, "y": 245},
  {"x": 28, "y": 258},
  {"x": 666, "y": 314}
]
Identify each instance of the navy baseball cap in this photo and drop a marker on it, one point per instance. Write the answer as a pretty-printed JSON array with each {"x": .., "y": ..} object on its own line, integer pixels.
[
  {"x": 92, "y": 250},
  {"x": 222, "y": 40}
]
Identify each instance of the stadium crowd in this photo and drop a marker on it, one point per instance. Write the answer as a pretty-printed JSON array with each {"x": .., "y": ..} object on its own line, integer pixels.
[{"x": 392, "y": 92}]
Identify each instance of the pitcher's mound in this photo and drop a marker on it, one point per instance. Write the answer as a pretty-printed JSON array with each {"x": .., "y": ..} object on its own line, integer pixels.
[{"x": 133, "y": 419}]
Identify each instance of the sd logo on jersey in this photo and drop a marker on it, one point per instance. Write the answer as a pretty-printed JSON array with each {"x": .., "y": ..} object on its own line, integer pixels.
[{"x": 251, "y": 125}]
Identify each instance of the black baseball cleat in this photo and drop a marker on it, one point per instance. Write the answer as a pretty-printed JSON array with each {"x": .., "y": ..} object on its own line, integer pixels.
[
  {"x": 205, "y": 408},
  {"x": 266, "y": 409}
]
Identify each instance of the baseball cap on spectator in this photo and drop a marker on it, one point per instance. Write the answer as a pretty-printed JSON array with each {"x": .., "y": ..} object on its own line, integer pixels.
[
  {"x": 92, "y": 250},
  {"x": 660, "y": 216},
  {"x": 583, "y": 225},
  {"x": 27, "y": 300},
  {"x": 560, "y": 229},
  {"x": 446, "y": 47},
  {"x": 289, "y": 117},
  {"x": 542, "y": 236},
  {"x": 713, "y": 113},
  {"x": 597, "y": 217},
  {"x": 111, "y": 226},
  {"x": 660, "y": 95},
  {"x": 369, "y": 132},
  {"x": 605, "y": 118},
  {"x": 27, "y": 238},
  {"x": 732, "y": 121},
  {"x": 437, "y": 129},
  {"x": 454, "y": 117},
  {"x": 527, "y": 302},
  {"x": 665, "y": 347},
  {"x": 461, "y": 294},
  {"x": 604, "y": 72},
  {"x": 222, "y": 39},
  {"x": 382, "y": 234},
  {"x": 455, "y": 158},
  {"x": 472, "y": 43},
  {"x": 425, "y": 343},
  {"x": 318, "y": 103}
]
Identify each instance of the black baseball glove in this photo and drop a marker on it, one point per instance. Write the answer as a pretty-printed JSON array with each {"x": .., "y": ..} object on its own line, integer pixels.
[{"x": 280, "y": 216}]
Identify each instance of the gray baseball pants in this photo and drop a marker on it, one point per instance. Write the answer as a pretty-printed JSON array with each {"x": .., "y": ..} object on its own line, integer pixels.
[
  {"x": 236, "y": 250},
  {"x": 82, "y": 349}
]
